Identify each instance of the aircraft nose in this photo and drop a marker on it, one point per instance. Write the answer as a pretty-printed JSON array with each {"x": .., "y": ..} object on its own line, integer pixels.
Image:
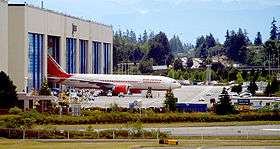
[{"x": 179, "y": 85}]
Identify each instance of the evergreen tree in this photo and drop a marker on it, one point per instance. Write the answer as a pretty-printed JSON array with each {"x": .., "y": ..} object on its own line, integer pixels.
[
  {"x": 160, "y": 49},
  {"x": 176, "y": 44},
  {"x": 189, "y": 63},
  {"x": 258, "y": 39},
  {"x": 8, "y": 94},
  {"x": 145, "y": 36},
  {"x": 237, "y": 88},
  {"x": 273, "y": 32},
  {"x": 136, "y": 55},
  {"x": 146, "y": 66},
  {"x": 274, "y": 85},
  {"x": 199, "y": 41},
  {"x": 140, "y": 39},
  {"x": 252, "y": 88},
  {"x": 170, "y": 101},
  {"x": 45, "y": 90},
  {"x": 152, "y": 35},
  {"x": 210, "y": 41},
  {"x": 178, "y": 64},
  {"x": 268, "y": 89},
  {"x": 224, "y": 106},
  {"x": 236, "y": 46},
  {"x": 132, "y": 36},
  {"x": 227, "y": 41}
]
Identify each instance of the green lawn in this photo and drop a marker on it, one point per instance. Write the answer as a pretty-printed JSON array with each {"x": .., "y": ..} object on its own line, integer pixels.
[
  {"x": 163, "y": 125},
  {"x": 18, "y": 144}
]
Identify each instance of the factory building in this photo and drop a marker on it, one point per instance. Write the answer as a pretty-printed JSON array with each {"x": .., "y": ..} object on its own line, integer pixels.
[
  {"x": 78, "y": 45},
  {"x": 3, "y": 36}
]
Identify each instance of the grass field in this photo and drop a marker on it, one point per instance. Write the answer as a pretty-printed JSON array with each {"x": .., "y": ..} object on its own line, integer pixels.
[
  {"x": 18, "y": 144},
  {"x": 163, "y": 125}
]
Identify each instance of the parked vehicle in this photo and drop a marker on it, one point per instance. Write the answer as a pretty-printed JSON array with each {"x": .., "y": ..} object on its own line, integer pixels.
[{"x": 191, "y": 107}]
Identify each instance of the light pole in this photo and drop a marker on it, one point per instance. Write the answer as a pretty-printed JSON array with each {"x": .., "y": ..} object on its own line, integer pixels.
[{"x": 26, "y": 84}]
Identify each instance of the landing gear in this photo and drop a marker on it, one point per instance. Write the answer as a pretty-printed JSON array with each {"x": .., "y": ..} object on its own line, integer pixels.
[{"x": 149, "y": 93}]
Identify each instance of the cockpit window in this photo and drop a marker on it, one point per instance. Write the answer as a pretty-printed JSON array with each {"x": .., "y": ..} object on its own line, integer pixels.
[{"x": 174, "y": 81}]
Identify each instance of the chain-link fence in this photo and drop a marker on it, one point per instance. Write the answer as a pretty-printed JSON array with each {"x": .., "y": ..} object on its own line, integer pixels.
[{"x": 13, "y": 133}]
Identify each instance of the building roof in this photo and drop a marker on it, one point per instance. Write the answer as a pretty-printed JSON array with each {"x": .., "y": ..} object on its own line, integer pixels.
[{"x": 59, "y": 13}]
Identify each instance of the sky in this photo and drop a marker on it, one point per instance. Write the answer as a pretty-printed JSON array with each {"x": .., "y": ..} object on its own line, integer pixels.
[{"x": 188, "y": 19}]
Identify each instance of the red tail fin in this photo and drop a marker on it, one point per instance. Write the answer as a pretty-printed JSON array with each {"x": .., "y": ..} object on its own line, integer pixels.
[{"x": 54, "y": 70}]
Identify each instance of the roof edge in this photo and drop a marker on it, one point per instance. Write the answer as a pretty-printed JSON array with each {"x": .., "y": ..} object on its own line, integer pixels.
[{"x": 59, "y": 13}]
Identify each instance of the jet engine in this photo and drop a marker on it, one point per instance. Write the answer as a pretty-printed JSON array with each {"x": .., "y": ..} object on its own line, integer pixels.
[{"x": 117, "y": 89}]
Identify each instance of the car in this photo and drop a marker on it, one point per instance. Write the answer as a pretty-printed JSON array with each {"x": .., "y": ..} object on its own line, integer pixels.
[
  {"x": 96, "y": 94},
  {"x": 208, "y": 94},
  {"x": 233, "y": 94},
  {"x": 201, "y": 99},
  {"x": 245, "y": 94}
]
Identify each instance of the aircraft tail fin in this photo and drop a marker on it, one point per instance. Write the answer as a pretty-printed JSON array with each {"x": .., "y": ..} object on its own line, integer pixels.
[{"x": 54, "y": 69}]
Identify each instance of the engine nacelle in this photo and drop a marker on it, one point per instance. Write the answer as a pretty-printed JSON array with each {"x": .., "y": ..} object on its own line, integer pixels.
[{"x": 120, "y": 89}]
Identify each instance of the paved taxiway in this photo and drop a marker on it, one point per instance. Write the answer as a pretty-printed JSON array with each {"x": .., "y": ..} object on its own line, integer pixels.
[{"x": 185, "y": 94}]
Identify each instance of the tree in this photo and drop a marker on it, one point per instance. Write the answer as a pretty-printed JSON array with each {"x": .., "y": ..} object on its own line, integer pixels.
[
  {"x": 210, "y": 41},
  {"x": 160, "y": 50},
  {"x": 224, "y": 106},
  {"x": 252, "y": 88},
  {"x": 240, "y": 79},
  {"x": 273, "y": 32},
  {"x": 236, "y": 45},
  {"x": 8, "y": 94},
  {"x": 272, "y": 50},
  {"x": 258, "y": 39},
  {"x": 178, "y": 64},
  {"x": 146, "y": 66},
  {"x": 145, "y": 36},
  {"x": 45, "y": 90},
  {"x": 136, "y": 55},
  {"x": 176, "y": 44},
  {"x": 237, "y": 88},
  {"x": 267, "y": 91},
  {"x": 203, "y": 44},
  {"x": 170, "y": 101},
  {"x": 274, "y": 85},
  {"x": 189, "y": 62}
]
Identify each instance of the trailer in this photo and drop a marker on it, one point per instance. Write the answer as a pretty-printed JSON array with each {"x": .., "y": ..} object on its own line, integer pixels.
[{"x": 191, "y": 107}]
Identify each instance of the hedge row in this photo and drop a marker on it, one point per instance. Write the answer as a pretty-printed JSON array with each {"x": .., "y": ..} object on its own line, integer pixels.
[
  {"x": 124, "y": 117},
  {"x": 55, "y": 134}
]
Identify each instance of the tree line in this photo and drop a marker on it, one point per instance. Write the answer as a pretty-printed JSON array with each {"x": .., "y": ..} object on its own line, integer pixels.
[
  {"x": 238, "y": 48},
  {"x": 148, "y": 49}
]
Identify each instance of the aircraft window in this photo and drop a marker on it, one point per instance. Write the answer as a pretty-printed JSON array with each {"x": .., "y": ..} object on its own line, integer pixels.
[{"x": 174, "y": 82}]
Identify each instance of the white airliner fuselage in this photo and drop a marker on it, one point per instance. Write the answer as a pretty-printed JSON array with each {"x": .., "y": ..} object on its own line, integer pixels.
[
  {"x": 135, "y": 82},
  {"x": 115, "y": 83}
]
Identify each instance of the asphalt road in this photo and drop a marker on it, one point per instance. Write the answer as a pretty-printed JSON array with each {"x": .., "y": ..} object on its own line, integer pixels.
[{"x": 186, "y": 94}]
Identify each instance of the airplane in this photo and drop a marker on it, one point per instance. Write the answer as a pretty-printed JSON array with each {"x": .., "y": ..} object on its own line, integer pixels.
[{"x": 118, "y": 84}]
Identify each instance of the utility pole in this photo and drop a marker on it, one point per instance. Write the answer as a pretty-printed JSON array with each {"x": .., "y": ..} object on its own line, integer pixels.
[{"x": 208, "y": 74}]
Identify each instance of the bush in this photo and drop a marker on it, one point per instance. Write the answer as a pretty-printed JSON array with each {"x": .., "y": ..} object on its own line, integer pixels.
[
  {"x": 15, "y": 110},
  {"x": 8, "y": 94}
]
